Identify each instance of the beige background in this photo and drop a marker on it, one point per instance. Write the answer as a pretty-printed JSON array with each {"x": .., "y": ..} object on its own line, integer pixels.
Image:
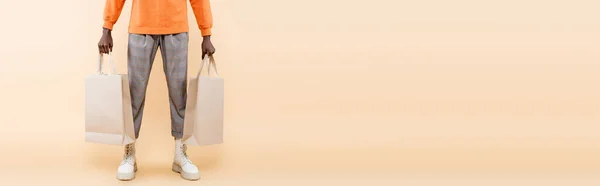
[{"x": 322, "y": 91}]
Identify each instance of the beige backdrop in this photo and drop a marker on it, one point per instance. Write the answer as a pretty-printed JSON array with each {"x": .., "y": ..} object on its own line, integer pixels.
[{"x": 326, "y": 90}]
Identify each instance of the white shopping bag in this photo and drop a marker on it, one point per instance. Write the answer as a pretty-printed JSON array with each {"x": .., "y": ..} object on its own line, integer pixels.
[
  {"x": 203, "y": 123},
  {"x": 108, "y": 115}
]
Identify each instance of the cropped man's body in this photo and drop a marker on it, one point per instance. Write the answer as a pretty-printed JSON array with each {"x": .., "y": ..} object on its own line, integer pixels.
[{"x": 154, "y": 25}]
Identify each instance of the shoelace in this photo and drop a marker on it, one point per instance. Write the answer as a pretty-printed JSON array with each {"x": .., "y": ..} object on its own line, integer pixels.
[
  {"x": 128, "y": 157},
  {"x": 183, "y": 156}
]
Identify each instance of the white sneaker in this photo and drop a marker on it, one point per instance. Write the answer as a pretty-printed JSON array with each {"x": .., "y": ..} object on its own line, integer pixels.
[
  {"x": 128, "y": 167},
  {"x": 182, "y": 164}
]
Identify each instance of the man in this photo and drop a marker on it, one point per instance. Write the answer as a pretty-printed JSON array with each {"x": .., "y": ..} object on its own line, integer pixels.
[{"x": 158, "y": 24}]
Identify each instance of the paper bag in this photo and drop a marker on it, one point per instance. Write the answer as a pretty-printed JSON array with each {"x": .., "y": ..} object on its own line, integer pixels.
[
  {"x": 203, "y": 124},
  {"x": 108, "y": 114}
]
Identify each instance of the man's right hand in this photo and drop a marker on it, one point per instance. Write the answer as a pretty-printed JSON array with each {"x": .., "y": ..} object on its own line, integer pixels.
[{"x": 105, "y": 44}]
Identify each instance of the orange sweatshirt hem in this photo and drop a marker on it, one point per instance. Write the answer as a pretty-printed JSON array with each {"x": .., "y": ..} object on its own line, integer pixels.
[{"x": 158, "y": 31}]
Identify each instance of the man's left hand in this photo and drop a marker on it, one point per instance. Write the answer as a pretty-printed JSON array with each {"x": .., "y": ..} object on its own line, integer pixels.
[{"x": 207, "y": 47}]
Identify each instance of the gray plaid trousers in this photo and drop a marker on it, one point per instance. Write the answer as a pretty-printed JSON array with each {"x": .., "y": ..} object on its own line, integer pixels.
[{"x": 141, "y": 51}]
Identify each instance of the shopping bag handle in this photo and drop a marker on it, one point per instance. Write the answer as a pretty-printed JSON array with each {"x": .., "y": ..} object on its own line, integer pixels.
[
  {"x": 211, "y": 63},
  {"x": 110, "y": 60}
]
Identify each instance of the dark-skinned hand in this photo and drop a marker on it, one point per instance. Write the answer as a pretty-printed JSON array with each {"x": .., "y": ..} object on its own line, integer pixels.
[
  {"x": 105, "y": 44},
  {"x": 207, "y": 47}
]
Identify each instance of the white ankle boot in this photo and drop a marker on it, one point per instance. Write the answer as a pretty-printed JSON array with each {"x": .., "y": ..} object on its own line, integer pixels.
[
  {"x": 182, "y": 164},
  {"x": 128, "y": 167}
]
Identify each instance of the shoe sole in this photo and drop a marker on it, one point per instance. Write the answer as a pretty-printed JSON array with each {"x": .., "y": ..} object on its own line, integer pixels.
[
  {"x": 188, "y": 176},
  {"x": 127, "y": 176}
]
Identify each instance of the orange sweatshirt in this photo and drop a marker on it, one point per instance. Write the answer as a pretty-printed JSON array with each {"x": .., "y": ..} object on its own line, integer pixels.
[{"x": 160, "y": 16}]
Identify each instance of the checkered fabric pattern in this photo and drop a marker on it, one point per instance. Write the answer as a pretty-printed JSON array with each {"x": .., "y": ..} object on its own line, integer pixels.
[{"x": 140, "y": 57}]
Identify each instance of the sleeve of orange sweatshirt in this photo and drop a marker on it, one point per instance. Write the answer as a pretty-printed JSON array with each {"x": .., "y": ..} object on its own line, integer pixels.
[
  {"x": 203, "y": 15},
  {"x": 112, "y": 11}
]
